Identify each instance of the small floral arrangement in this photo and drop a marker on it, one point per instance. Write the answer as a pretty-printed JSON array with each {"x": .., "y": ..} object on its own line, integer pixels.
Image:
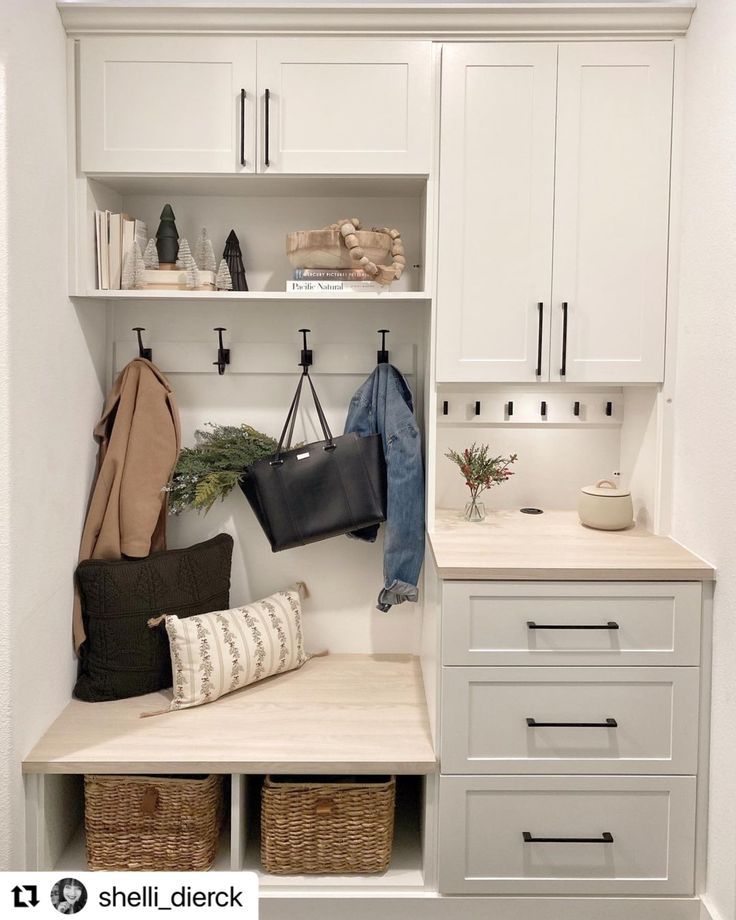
[{"x": 480, "y": 472}]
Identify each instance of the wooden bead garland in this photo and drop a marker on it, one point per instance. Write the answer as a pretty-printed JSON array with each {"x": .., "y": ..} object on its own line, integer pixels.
[{"x": 383, "y": 274}]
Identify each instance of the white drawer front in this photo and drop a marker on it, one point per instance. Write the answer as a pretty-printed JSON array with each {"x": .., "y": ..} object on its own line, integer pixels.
[
  {"x": 650, "y": 820},
  {"x": 571, "y": 623},
  {"x": 593, "y": 720}
]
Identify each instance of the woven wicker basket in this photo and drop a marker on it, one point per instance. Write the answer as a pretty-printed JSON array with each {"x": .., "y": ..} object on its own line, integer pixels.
[
  {"x": 149, "y": 823},
  {"x": 327, "y": 828}
]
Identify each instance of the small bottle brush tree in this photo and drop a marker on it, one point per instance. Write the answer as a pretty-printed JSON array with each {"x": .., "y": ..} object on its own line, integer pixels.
[
  {"x": 134, "y": 269},
  {"x": 234, "y": 259},
  {"x": 480, "y": 472},
  {"x": 167, "y": 238},
  {"x": 204, "y": 254},
  {"x": 150, "y": 255},
  {"x": 223, "y": 281},
  {"x": 186, "y": 262}
]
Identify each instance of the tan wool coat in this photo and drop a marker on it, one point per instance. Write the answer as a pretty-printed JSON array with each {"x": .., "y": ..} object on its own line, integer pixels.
[{"x": 139, "y": 439}]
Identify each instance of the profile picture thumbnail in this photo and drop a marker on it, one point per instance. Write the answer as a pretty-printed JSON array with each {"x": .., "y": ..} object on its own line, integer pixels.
[{"x": 69, "y": 896}]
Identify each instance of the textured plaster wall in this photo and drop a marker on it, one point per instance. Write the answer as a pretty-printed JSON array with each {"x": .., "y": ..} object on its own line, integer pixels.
[
  {"x": 49, "y": 399},
  {"x": 705, "y": 418}
]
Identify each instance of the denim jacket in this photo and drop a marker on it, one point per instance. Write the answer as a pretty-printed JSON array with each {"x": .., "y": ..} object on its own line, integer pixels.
[{"x": 383, "y": 405}]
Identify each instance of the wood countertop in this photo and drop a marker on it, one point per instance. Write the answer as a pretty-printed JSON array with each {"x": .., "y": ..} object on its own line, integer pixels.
[
  {"x": 337, "y": 714},
  {"x": 555, "y": 546}
]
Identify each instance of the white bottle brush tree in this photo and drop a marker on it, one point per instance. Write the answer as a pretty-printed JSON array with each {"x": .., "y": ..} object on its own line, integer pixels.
[
  {"x": 134, "y": 269},
  {"x": 150, "y": 255},
  {"x": 204, "y": 253},
  {"x": 223, "y": 281},
  {"x": 185, "y": 261}
]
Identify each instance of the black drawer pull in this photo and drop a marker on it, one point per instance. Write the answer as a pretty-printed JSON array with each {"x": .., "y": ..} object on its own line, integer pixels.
[
  {"x": 242, "y": 127},
  {"x": 609, "y": 723},
  {"x": 532, "y": 625},
  {"x": 605, "y": 837}
]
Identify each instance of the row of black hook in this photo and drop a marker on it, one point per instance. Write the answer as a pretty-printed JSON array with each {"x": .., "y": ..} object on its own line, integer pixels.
[
  {"x": 509, "y": 408},
  {"x": 306, "y": 356}
]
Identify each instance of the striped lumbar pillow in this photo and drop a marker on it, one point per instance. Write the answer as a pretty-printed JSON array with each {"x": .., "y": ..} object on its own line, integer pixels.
[{"x": 218, "y": 652}]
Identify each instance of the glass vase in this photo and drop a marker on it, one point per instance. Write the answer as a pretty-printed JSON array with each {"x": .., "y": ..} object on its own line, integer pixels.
[{"x": 475, "y": 511}]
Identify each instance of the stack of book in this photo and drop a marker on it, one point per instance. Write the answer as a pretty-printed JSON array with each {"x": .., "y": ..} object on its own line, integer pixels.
[
  {"x": 114, "y": 237},
  {"x": 320, "y": 280}
]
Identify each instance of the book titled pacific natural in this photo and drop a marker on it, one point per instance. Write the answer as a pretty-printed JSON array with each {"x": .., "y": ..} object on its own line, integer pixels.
[{"x": 355, "y": 287}]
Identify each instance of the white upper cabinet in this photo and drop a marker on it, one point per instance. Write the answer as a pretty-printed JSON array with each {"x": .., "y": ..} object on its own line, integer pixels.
[
  {"x": 532, "y": 145},
  {"x": 167, "y": 104},
  {"x": 201, "y": 104},
  {"x": 614, "y": 117},
  {"x": 496, "y": 209},
  {"x": 336, "y": 106}
]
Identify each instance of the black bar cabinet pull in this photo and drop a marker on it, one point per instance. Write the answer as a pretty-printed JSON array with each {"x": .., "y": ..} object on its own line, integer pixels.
[
  {"x": 242, "y": 127},
  {"x": 609, "y": 625},
  {"x": 540, "y": 308},
  {"x": 563, "y": 369},
  {"x": 445, "y": 407},
  {"x": 477, "y": 407},
  {"x": 608, "y": 723},
  {"x": 605, "y": 837},
  {"x": 267, "y": 96}
]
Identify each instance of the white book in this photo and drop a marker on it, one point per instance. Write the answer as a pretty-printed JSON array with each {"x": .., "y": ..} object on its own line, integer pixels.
[
  {"x": 99, "y": 242},
  {"x": 141, "y": 234},
  {"x": 322, "y": 287},
  {"x": 115, "y": 250},
  {"x": 105, "y": 250},
  {"x": 128, "y": 236}
]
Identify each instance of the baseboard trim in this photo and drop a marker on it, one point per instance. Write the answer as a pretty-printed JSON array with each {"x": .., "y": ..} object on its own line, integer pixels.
[{"x": 429, "y": 906}]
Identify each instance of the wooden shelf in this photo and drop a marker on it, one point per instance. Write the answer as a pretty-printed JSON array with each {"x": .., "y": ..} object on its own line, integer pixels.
[
  {"x": 255, "y": 295},
  {"x": 338, "y": 714}
]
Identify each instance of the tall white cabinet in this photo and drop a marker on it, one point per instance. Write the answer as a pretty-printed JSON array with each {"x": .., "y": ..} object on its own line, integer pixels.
[{"x": 554, "y": 212}]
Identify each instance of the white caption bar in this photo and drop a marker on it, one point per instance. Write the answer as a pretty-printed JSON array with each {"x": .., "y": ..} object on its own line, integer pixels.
[{"x": 139, "y": 895}]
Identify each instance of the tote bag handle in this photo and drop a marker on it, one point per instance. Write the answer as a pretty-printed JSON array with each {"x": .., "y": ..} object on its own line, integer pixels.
[{"x": 288, "y": 430}]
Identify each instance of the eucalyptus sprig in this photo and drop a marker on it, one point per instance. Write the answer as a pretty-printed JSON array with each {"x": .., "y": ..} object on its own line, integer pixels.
[
  {"x": 213, "y": 467},
  {"x": 480, "y": 471}
]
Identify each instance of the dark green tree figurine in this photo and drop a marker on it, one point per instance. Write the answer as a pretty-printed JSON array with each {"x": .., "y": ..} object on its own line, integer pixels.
[
  {"x": 167, "y": 238},
  {"x": 234, "y": 259}
]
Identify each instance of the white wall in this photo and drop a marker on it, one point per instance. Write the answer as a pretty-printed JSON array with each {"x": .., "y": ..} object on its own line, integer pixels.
[
  {"x": 705, "y": 419},
  {"x": 53, "y": 399}
]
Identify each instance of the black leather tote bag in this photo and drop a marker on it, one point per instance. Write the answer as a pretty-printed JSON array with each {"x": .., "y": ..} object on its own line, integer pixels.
[{"x": 318, "y": 490}]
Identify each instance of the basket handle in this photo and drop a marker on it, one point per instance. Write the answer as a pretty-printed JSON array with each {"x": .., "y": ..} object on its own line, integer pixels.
[{"x": 149, "y": 802}]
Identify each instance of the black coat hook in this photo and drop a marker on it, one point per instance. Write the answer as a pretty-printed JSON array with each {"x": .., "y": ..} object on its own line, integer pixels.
[
  {"x": 382, "y": 354},
  {"x": 143, "y": 352},
  {"x": 223, "y": 354},
  {"x": 306, "y": 357}
]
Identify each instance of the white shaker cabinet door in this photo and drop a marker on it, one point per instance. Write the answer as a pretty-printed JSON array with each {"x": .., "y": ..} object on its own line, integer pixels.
[
  {"x": 345, "y": 106},
  {"x": 496, "y": 211},
  {"x": 170, "y": 104},
  {"x": 614, "y": 118}
]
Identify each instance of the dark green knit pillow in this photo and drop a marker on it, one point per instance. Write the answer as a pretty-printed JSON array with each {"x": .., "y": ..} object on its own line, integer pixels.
[{"x": 122, "y": 656}]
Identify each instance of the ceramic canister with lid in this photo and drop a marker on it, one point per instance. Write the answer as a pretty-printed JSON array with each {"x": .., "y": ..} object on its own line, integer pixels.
[{"x": 606, "y": 507}]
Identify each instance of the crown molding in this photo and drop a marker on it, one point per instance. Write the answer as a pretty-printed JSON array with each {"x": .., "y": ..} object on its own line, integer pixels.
[{"x": 437, "y": 21}]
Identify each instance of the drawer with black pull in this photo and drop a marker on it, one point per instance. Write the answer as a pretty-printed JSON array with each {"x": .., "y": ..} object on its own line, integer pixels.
[
  {"x": 569, "y": 720},
  {"x": 567, "y": 835},
  {"x": 571, "y": 623}
]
